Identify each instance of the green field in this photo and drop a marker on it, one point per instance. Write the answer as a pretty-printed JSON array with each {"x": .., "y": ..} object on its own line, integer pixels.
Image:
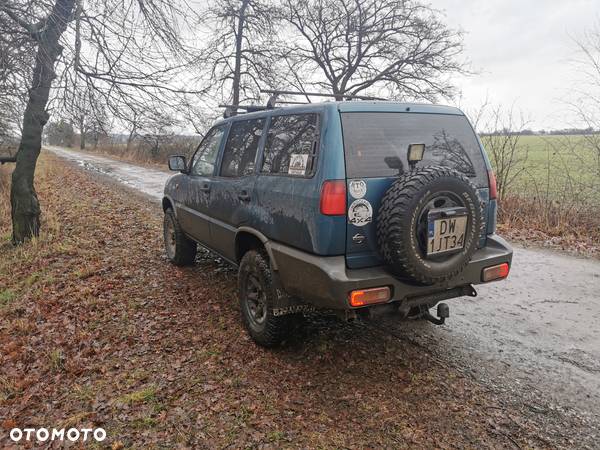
[{"x": 556, "y": 166}]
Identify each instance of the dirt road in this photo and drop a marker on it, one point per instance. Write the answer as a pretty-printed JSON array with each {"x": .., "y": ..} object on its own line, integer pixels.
[{"x": 534, "y": 338}]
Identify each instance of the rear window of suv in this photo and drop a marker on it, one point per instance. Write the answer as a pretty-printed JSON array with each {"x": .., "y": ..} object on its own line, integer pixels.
[{"x": 372, "y": 140}]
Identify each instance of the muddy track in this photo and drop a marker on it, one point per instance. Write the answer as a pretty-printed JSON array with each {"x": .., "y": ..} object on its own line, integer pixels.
[{"x": 533, "y": 339}]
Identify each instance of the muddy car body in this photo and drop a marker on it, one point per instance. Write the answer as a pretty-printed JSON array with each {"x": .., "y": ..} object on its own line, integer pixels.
[{"x": 330, "y": 197}]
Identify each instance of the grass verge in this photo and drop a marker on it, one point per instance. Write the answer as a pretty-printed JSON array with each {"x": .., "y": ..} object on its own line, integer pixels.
[{"x": 546, "y": 223}]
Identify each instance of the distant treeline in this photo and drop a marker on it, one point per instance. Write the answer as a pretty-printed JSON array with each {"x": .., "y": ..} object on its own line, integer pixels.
[{"x": 527, "y": 132}]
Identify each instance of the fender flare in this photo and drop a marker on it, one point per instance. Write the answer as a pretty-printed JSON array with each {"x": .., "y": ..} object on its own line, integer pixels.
[
  {"x": 263, "y": 239},
  {"x": 170, "y": 199}
]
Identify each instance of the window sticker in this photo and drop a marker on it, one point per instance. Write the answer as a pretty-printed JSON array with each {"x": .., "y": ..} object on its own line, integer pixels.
[
  {"x": 358, "y": 188},
  {"x": 298, "y": 164},
  {"x": 360, "y": 213}
]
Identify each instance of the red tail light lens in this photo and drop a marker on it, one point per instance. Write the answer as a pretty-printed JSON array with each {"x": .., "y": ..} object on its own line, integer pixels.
[
  {"x": 493, "y": 186},
  {"x": 333, "y": 198},
  {"x": 495, "y": 272},
  {"x": 364, "y": 297}
]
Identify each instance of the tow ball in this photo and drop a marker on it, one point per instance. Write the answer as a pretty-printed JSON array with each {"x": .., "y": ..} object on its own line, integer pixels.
[{"x": 443, "y": 312}]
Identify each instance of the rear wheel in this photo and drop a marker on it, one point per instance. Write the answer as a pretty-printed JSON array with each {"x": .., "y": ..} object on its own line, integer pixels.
[
  {"x": 180, "y": 250},
  {"x": 257, "y": 294}
]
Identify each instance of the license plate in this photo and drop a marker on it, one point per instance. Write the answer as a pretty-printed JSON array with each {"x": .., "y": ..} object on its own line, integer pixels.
[{"x": 446, "y": 234}]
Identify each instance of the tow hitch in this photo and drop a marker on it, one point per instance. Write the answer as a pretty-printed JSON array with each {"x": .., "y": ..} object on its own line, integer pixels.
[{"x": 443, "y": 312}]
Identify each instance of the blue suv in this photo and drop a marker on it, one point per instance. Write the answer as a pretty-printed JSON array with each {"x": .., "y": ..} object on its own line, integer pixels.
[{"x": 352, "y": 207}]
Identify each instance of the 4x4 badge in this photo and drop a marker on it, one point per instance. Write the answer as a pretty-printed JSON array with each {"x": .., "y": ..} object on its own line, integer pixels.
[{"x": 360, "y": 213}]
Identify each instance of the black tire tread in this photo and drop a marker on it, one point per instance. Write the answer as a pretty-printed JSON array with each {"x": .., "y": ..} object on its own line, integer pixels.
[{"x": 277, "y": 328}]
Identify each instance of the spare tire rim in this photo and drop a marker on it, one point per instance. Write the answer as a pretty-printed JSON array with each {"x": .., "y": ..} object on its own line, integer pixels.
[{"x": 438, "y": 200}]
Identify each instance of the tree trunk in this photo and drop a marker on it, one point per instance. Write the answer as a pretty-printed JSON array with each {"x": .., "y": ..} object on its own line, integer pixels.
[
  {"x": 238, "y": 53},
  {"x": 82, "y": 133},
  {"x": 23, "y": 198},
  {"x": 130, "y": 138},
  {"x": 337, "y": 93}
]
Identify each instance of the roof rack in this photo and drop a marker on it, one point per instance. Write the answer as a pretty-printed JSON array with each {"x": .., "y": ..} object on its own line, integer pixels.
[
  {"x": 276, "y": 93},
  {"x": 232, "y": 110}
]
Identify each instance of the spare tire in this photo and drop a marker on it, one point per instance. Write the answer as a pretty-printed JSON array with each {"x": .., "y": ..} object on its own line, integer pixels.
[{"x": 402, "y": 223}]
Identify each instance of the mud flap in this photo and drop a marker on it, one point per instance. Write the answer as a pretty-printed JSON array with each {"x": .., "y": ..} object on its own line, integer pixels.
[{"x": 284, "y": 303}]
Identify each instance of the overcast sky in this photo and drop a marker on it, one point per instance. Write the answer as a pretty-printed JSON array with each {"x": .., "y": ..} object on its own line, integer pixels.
[{"x": 522, "y": 51}]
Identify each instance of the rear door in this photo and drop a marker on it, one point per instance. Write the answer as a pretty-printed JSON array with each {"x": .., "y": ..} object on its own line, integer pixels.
[
  {"x": 288, "y": 196},
  {"x": 376, "y": 147},
  {"x": 232, "y": 191}
]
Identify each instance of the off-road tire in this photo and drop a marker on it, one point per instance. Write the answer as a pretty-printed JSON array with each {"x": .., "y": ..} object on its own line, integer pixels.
[
  {"x": 273, "y": 329},
  {"x": 180, "y": 250},
  {"x": 398, "y": 216}
]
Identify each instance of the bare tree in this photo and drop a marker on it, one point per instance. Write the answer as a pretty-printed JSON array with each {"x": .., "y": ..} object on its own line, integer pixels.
[
  {"x": 126, "y": 49},
  {"x": 197, "y": 117},
  {"x": 46, "y": 33},
  {"x": 501, "y": 134},
  {"x": 400, "y": 47},
  {"x": 16, "y": 58},
  {"x": 136, "y": 122},
  {"x": 241, "y": 50},
  {"x": 587, "y": 106},
  {"x": 87, "y": 111},
  {"x": 159, "y": 130},
  {"x": 59, "y": 132}
]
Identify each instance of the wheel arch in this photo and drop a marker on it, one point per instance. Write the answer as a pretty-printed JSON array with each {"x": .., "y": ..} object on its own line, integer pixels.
[
  {"x": 248, "y": 238},
  {"x": 167, "y": 202}
]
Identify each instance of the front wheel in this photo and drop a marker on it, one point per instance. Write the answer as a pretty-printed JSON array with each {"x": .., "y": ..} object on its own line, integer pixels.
[
  {"x": 257, "y": 294},
  {"x": 180, "y": 250}
]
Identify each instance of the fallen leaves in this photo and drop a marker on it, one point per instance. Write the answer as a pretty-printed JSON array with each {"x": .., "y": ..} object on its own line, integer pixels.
[{"x": 101, "y": 330}]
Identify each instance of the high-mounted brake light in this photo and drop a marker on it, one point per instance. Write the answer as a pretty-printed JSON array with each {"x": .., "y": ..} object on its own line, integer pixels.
[
  {"x": 333, "y": 198},
  {"x": 495, "y": 272},
  {"x": 493, "y": 186},
  {"x": 364, "y": 297}
]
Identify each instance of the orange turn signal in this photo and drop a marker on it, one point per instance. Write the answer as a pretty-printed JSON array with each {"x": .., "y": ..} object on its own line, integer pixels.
[
  {"x": 364, "y": 297},
  {"x": 495, "y": 272}
]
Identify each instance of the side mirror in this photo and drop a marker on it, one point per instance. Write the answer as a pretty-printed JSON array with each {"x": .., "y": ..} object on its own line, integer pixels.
[{"x": 177, "y": 163}]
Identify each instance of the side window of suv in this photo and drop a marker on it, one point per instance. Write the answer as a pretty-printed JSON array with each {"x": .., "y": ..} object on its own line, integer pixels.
[
  {"x": 241, "y": 146},
  {"x": 205, "y": 157},
  {"x": 291, "y": 144}
]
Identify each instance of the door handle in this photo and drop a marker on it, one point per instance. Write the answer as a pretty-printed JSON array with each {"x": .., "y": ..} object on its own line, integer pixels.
[
  {"x": 244, "y": 196},
  {"x": 205, "y": 187}
]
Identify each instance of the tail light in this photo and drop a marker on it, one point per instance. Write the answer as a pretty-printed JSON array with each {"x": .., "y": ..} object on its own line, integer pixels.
[
  {"x": 493, "y": 186},
  {"x": 364, "y": 297},
  {"x": 495, "y": 272},
  {"x": 333, "y": 198}
]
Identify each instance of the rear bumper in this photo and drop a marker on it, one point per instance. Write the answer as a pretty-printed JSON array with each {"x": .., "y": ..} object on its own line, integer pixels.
[{"x": 326, "y": 282}]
